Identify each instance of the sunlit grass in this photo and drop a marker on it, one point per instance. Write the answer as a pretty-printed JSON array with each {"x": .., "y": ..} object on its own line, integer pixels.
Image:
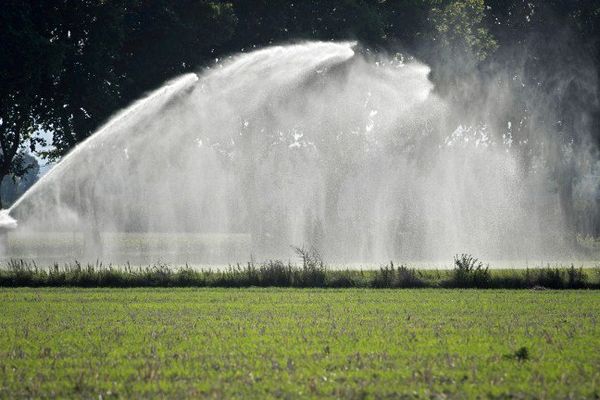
[{"x": 257, "y": 343}]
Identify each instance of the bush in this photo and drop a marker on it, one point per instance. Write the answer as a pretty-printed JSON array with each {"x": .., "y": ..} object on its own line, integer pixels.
[
  {"x": 402, "y": 277},
  {"x": 344, "y": 279},
  {"x": 576, "y": 278},
  {"x": 275, "y": 273},
  {"x": 469, "y": 272},
  {"x": 313, "y": 272},
  {"x": 384, "y": 278}
]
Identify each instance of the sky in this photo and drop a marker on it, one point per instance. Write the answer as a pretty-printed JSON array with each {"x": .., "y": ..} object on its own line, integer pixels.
[{"x": 44, "y": 164}]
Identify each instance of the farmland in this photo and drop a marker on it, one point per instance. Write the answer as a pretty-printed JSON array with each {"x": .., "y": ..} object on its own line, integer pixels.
[{"x": 241, "y": 343}]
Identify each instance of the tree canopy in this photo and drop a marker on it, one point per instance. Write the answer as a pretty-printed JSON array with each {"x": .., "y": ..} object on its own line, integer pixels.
[{"x": 67, "y": 66}]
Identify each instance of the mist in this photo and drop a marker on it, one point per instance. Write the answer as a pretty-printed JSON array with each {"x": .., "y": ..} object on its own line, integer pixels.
[{"x": 318, "y": 144}]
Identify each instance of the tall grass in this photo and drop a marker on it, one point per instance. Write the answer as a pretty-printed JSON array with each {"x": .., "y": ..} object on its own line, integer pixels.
[
  {"x": 468, "y": 272},
  {"x": 401, "y": 277}
]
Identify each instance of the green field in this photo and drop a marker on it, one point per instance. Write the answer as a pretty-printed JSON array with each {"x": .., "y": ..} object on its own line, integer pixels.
[{"x": 256, "y": 343}]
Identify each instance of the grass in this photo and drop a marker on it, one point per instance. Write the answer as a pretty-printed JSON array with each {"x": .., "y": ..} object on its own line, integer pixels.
[
  {"x": 291, "y": 343},
  {"x": 313, "y": 273}
]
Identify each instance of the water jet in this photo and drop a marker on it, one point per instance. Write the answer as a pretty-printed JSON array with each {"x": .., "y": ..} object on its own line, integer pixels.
[{"x": 315, "y": 143}]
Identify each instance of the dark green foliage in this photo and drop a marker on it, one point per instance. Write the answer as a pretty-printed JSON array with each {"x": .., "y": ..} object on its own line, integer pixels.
[
  {"x": 402, "y": 277},
  {"x": 576, "y": 277},
  {"x": 384, "y": 278},
  {"x": 68, "y": 66},
  {"x": 74, "y": 63},
  {"x": 556, "y": 278},
  {"x": 275, "y": 273},
  {"x": 314, "y": 272},
  {"x": 522, "y": 354},
  {"x": 14, "y": 186},
  {"x": 469, "y": 272},
  {"x": 346, "y": 279}
]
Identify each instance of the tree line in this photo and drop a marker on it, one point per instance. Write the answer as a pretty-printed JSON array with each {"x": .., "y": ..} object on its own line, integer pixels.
[{"x": 66, "y": 66}]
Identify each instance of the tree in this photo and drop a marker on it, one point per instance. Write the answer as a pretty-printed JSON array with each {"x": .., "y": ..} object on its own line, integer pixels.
[
  {"x": 265, "y": 22},
  {"x": 12, "y": 189},
  {"x": 117, "y": 51},
  {"x": 28, "y": 63},
  {"x": 15, "y": 129},
  {"x": 85, "y": 89},
  {"x": 68, "y": 66},
  {"x": 458, "y": 41},
  {"x": 549, "y": 51}
]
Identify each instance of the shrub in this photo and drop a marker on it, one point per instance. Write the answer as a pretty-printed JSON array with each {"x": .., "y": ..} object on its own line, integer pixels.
[
  {"x": 402, "y": 277},
  {"x": 313, "y": 272},
  {"x": 469, "y": 272},
  {"x": 275, "y": 273},
  {"x": 576, "y": 278},
  {"x": 549, "y": 278},
  {"x": 408, "y": 278},
  {"x": 344, "y": 279},
  {"x": 384, "y": 278}
]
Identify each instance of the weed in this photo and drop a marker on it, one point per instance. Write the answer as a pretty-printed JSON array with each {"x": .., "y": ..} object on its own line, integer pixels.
[
  {"x": 469, "y": 272},
  {"x": 402, "y": 277},
  {"x": 522, "y": 354}
]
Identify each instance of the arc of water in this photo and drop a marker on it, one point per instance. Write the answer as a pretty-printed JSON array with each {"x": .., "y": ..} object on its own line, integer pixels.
[{"x": 160, "y": 96}]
